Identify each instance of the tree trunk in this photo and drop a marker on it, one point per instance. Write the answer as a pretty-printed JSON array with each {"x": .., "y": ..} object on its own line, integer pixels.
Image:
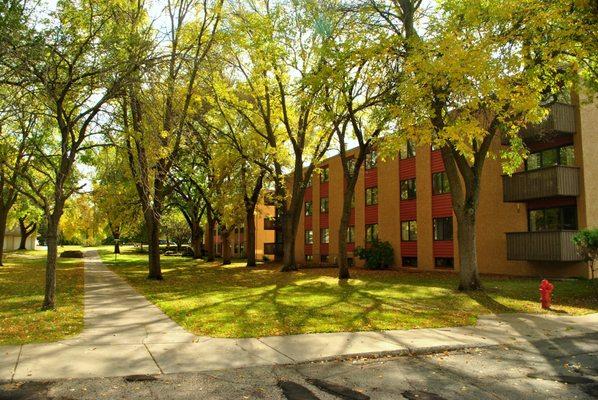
[
  {"x": 343, "y": 263},
  {"x": 196, "y": 234},
  {"x": 250, "y": 235},
  {"x": 153, "y": 230},
  {"x": 226, "y": 256},
  {"x": 469, "y": 276},
  {"x": 290, "y": 232},
  {"x": 3, "y": 219},
  {"x": 210, "y": 237},
  {"x": 52, "y": 242},
  {"x": 26, "y": 231},
  {"x": 116, "y": 247}
]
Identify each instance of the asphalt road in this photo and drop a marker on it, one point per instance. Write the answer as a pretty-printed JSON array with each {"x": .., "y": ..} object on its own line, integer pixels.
[{"x": 564, "y": 368}]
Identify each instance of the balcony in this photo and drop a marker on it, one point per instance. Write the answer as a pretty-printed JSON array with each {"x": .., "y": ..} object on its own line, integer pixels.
[
  {"x": 273, "y": 248},
  {"x": 270, "y": 224},
  {"x": 542, "y": 246},
  {"x": 541, "y": 183},
  {"x": 560, "y": 120}
]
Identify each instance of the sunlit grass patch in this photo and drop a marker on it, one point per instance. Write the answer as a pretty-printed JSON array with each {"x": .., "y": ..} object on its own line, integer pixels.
[
  {"x": 22, "y": 281},
  {"x": 235, "y": 301}
]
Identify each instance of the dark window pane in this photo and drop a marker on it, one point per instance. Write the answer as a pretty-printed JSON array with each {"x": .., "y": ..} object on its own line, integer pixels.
[
  {"x": 550, "y": 157},
  {"x": 443, "y": 262},
  {"x": 408, "y": 189},
  {"x": 409, "y": 261},
  {"x": 569, "y": 218}
]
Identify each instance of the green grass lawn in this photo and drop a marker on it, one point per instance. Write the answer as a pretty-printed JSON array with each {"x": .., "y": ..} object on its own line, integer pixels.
[
  {"x": 234, "y": 301},
  {"x": 22, "y": 292}
]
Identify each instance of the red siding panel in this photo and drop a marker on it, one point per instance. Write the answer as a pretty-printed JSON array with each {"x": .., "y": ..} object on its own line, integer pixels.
[
  {"x": 408, "y": 210},
  {"x": 442, "y": 205},
  {"x": 324, "y": 220},
  {"x": 443, "y": 248},
  {"x": 407, "y": 168},
  {"x": 351, "y": 247},
  {"x": 324, "y": 248},
  {"x": 352, "y": 217},
  {"x": 309, "y": 193},
  {"x": 324, "y": 189},
  {"x": 436, "y": 162},
  {"x": 309, "y": 249},
  {"x": 408, "y": 249},
  {"x": 308, "y": 223},
  {"x": 371, "y": 177},
  {"x": 371, "y": 214}
]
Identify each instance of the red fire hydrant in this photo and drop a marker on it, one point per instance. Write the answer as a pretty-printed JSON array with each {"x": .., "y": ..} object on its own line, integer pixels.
[{"x": 546, "y": 289}]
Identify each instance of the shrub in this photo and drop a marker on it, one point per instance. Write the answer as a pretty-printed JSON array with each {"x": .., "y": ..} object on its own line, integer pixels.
[
  {"x": 379, "y": 255},
  {"x": 586, "y": 242},
  {"x": 71, "y": 254}
]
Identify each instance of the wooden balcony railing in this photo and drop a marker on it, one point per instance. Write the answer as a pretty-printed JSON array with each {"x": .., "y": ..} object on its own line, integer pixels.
[
  {"x": 541, "y": 183},
  {"x": 560, "y": 120},
  {"x": 542, "y": 246}
]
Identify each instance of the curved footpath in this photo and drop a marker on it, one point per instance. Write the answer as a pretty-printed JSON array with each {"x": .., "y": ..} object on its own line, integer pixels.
[{"x": 125, "y": 334}]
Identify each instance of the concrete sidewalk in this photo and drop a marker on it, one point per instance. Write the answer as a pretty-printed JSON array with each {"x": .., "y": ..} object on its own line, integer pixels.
[{"x": 125, "y": 334}]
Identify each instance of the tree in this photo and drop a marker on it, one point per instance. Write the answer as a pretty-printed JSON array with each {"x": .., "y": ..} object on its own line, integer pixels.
[
  {"x": 68, "y": 63},
  {"x": 28, "y": 217},
  {"x": 356, "y": 89},
  {"x": 16, "y": 139},
  {"x": 479, "y": 71},
  {"x": 114, "y": 194},
  {"x": 156, "y": 110},
  {"x": 275, "y": 62},
  {"x": 586, "y": 242},
  {"x": 176, "y": 228}
]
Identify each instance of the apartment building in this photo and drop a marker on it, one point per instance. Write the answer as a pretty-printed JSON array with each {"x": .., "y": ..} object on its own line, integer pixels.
[{"x": 525, "y": 221}]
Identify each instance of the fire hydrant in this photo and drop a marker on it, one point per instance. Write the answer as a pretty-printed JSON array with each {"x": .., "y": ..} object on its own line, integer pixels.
[{"x": 546, "y": 289}]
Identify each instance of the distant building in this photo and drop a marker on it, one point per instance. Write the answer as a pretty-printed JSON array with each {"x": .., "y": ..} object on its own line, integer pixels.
[{"x": 12, "y": 240}]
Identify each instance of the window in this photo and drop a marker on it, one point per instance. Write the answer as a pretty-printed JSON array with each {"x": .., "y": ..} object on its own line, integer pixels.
[
  {"x": 242, "y": 229},
  {"x": 350, "y": 261},
  {"x": 309, "y": 258},
  {"x": 350, "y": 234},
  {"x": 324, "y": 205},
  {"x": 371, "y": 233},
  {"x": 550, "y": 157},
  {"x": 309, "y": 208},
  {"x": 409, "y": 262},
  {"x": 309, "y": 236},
  {"x": 236, "y": 250},
  {"x": 308, "y": 182},
  {"x": 440, "y": 183},
  {"x": 323, "y": 258},
  {"x": 324, "y": 175},
  {"x": 408, "y": 191},
  {"x": 371, "y": 159},
  {"x": 371, "y": 196},
  {"x": 353, "y": 200},
  {"x": 242, "y": 247},
  {"x": 409, "y": 231},
  {"x": 324, "y": 235},
  {"x": 444, "y": 262},
  {"x": 443, "y": 228},
  {"x": 351, "y": 165},
  {"x": 553, "y": 219},
  {"x": 407, "y": 150}
]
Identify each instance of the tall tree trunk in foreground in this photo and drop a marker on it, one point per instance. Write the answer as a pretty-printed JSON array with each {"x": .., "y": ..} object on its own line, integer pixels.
[
  {"x": 250, "y": 204},
  {"x": 51, "y": 258},
  {"x": 26, "y": 231},
  {"x": 250, "y": 232},
  {"x": 196, "y": 236},
  {"x": 152, "y": 222},
  {"x": 226, "y": 253},
  {"x": 3, "y": 219},
  {"x": 210, "y": 236}
]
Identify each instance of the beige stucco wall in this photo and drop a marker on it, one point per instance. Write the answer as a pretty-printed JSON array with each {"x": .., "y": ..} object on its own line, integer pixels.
[{"x": 12, "y": 242}]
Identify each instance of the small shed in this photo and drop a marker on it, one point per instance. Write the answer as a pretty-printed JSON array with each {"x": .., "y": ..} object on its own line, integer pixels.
[{"x": 12, "y": 240}]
